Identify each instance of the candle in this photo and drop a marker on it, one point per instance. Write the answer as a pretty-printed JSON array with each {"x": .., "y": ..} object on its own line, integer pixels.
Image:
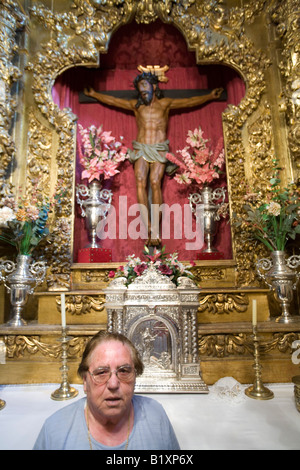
[
  {"x": 63, "y": 310},
  {"x": 254, "y": 313}
]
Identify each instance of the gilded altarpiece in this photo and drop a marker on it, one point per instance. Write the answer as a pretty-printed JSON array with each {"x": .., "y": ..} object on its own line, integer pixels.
[{"x": 259, "y": 40}]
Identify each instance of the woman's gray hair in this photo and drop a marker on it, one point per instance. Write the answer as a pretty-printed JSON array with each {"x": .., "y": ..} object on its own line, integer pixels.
[{"x": 105, "y": 336}]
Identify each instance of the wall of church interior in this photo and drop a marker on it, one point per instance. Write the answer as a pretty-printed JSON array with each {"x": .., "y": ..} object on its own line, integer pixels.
[{"x": 53, "y": 50}]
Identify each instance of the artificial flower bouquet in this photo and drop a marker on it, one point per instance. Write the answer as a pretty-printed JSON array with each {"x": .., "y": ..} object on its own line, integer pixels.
[
  {"x": 168, "y": 265},
  {"x": 100, "y": 153},
  {"x": 197, "y": 163},
  {"x": 272, "y": 217},
  {"x": 25, "y": 222}
]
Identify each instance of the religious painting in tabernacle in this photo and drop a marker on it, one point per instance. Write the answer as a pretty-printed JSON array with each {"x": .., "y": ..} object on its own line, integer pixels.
[{"x": 153, "y": 340}]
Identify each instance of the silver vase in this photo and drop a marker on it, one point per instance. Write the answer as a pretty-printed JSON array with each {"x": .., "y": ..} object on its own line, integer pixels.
[
  {"x": 204, "y": 206},
  {"x": 94, "y": 204},
  {"x": 280, "y": 274},
  {"x": 21, "y": 280}
]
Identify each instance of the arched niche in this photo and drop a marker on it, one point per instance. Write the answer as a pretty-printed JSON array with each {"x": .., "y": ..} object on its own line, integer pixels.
[{"x": 141, "y": 44}]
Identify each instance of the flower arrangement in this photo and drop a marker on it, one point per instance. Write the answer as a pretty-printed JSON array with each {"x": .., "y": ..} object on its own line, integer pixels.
[
  {"x": 168, "y": 265},
  {"x": 100, "y": 153},
  {"x": 24, "y": 223},
  {"x": 272, "y": 218},
  {"x": 198, "y": 164}
]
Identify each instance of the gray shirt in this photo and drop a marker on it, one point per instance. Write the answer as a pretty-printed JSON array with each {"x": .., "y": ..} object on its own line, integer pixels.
[{"x": 67, "y": 429}]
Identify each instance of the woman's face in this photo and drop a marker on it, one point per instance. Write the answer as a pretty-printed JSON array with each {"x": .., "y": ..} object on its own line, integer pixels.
[{"x": 112, "y": 400}]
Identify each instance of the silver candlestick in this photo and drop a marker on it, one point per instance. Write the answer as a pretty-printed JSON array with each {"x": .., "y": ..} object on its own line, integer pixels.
[
  {"x": 64, "y": 392},
  {"x": 258, "y": 390}
]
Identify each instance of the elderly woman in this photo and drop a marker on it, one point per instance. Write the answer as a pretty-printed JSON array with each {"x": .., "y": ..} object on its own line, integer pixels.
[{"x": 111, "y": 417}]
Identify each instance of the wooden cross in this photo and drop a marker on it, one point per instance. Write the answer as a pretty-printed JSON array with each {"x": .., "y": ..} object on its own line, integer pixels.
[{"x": 133, "y": 94}]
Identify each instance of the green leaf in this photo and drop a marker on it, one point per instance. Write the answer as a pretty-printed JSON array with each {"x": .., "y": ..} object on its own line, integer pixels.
[
  {"x": 8, "y": 240},
  {"x": 297, "y": 228}
]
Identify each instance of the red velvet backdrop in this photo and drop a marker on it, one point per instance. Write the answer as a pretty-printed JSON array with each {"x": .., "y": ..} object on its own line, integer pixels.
[{"x": 134, "y": 45}]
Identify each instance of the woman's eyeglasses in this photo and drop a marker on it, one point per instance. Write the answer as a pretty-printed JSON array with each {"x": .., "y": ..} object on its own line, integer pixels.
[{"x": 101, "y": 375}]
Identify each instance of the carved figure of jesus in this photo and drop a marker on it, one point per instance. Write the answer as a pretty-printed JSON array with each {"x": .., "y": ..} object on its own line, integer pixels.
[{"x": 151, "y": 110}]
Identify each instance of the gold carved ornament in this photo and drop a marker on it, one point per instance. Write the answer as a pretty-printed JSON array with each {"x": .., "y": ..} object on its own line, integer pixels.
[
  {"x": 241, "y": 344},
  {"x": 223, "y": 303},
  {"x": 79, "y": 304},
  {"x": 285, "y": 16},
  {"x": 11, "y": 19},
  {"x": 209, "y": 345},
  {"x": 19, "y": 346}
]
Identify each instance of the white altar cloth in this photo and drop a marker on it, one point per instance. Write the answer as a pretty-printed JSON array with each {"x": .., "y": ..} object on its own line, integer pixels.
[{"x": 201, "y": 422}]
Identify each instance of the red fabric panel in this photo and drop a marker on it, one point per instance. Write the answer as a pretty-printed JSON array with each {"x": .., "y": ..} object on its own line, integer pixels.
[
  {"x": 131, "y": 46},
  {"x": 94, "y": 255}
]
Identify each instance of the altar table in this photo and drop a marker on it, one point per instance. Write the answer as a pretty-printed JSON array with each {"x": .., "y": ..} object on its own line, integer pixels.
[{"x": 201, "y": 421}]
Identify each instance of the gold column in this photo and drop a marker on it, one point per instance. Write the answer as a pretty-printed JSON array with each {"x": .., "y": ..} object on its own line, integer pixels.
[{"x": 11, "y": 19}]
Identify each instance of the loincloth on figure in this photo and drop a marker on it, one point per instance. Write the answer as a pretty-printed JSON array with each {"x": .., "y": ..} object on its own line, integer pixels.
[{"x": 151, "y": 153}]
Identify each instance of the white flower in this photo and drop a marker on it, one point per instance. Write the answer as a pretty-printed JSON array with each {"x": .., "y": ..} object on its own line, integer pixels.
[
  {"x": 133, "y": 261},
  {"x": 6, "y": 215},
  {"x": 274, "y": 208}
]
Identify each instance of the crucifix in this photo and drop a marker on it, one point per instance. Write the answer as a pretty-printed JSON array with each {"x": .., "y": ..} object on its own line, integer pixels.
[{"x": 151, "y": 108}]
